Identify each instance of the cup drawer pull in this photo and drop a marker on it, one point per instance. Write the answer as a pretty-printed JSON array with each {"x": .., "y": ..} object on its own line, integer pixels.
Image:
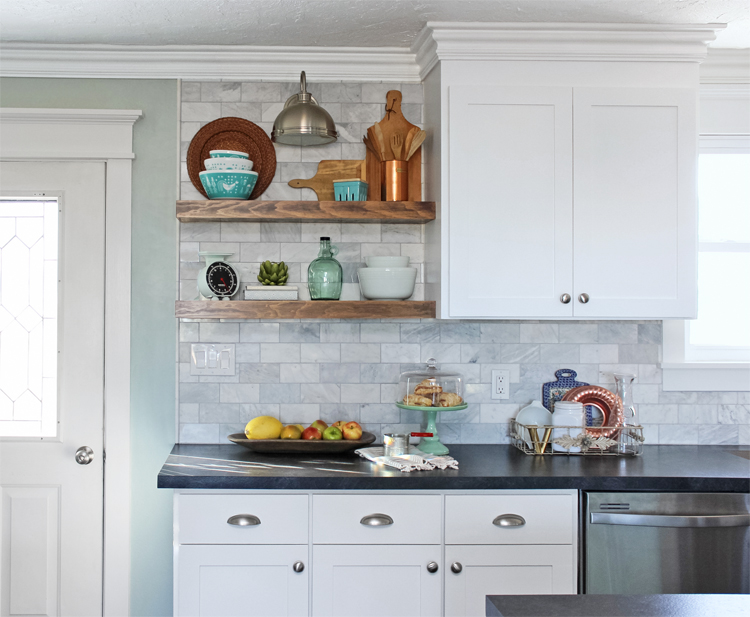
[
  {"x": 243, "y": 520},
  {"x": 509, "y": 520},
  {"x": 376, "y": 520}
]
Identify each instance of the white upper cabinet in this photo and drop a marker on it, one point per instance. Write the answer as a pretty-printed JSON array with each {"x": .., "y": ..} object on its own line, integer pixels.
[
  {"x": 634, "y": 223},
  {"x": 571, "y": 202},
  {"x": 510, "y": 201}
]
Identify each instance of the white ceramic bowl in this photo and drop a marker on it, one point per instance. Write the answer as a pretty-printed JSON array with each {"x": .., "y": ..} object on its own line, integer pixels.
[
  {"x": 227, "y": 154},
  {"x": 387, "y": 261},
  {"x": 387, "y": 283},
  {"x": 226, "y": 163}
]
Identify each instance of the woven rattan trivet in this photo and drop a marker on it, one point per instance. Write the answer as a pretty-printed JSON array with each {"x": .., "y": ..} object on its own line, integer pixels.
[{"x": 233, "y": 134}]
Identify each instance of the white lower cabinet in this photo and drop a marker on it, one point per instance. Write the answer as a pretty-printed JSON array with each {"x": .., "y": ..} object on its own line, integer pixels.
[
  {"x": 473, "y": 572},
  {"x": 377, "y": 554},
  {"x": 241, "y": 581},
  {"x": 376, "y": 581}
]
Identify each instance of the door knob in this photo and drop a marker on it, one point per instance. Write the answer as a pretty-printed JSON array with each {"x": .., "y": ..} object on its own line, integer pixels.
[
  {"x": 84, "y": 455},
  {"x": 432, "y": 567},
  {"x": 456, "y": 567},
  {"x": 298, "y": 566},
  {"x": 583, "y": 298},
  {"x": 565, "y": 298}
]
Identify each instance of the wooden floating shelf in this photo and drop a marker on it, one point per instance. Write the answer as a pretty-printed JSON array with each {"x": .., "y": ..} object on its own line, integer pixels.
[
  {"x": 297, "y": 309},
  {"x": 306, "y": 211}
]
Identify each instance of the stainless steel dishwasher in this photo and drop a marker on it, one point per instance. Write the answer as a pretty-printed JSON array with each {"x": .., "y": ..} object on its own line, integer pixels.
[{"x": 658, "y": 543}]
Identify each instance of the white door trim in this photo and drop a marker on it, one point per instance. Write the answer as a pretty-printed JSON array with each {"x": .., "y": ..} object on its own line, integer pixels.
[{"x": 105, "y": 135}]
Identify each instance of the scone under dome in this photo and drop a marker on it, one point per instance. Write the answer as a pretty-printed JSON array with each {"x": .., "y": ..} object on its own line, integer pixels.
[{"x": 431, "y": 387}]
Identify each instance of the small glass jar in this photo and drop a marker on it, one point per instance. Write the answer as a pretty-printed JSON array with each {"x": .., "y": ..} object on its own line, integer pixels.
[
  {"x": 430, "y": 387},
  {"x": 325, "y": 275},
  {"x": 568, "y": 414}
]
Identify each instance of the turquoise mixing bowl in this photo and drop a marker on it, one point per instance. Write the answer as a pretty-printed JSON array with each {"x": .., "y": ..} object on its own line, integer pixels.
[{"x": 228, "y": 184}]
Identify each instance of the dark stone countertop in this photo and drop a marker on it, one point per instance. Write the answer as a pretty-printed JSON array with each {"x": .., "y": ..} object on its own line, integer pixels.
[
  {"x": 659, "y": 468},
  {"x": 687, "y": 605}
]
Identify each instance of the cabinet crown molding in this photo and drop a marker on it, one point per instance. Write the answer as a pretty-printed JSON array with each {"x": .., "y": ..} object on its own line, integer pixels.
[
  {"x": 209, "y": 62},
  {"x": 440, "y": 41}
]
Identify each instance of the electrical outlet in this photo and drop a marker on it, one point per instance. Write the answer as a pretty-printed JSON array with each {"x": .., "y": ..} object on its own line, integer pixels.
[
  {"x": 212, "y": 359},
  {"x": 501, "y": 384}
]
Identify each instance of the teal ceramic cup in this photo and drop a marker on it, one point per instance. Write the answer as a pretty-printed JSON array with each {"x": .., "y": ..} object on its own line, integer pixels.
[{"x": 228, "y": 184}]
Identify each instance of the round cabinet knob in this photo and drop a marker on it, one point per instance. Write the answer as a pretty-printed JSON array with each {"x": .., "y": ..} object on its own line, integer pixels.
[
  {"x": 565, "y": 298},
  {"x": 432, "y": 567},
  {"x": 456, "y": 568},
  {"x": 583, "y": 298},
  {"x": 84, "y": 455},
  {"x": 298, "y": 566}
]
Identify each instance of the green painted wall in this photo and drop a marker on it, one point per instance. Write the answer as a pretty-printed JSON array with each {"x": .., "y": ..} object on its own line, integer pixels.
[{"x": 153, "y": 338}]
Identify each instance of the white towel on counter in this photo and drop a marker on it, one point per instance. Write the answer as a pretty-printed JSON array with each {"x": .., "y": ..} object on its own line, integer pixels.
[{"x": 416, "y": 460}]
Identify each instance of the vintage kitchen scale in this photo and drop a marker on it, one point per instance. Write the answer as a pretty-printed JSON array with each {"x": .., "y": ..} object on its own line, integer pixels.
[
  {"x": 431, "y": 391},
  {"x": 217, "y": 280}
]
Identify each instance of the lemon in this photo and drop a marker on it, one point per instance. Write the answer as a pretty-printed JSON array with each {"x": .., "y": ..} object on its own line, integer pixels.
[{"x": 263, "y": 427}]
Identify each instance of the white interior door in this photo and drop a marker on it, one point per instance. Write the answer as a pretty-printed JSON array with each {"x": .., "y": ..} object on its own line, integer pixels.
[
  {"x": 51, "y": 394},
  {"x": 510, "y": 201}
]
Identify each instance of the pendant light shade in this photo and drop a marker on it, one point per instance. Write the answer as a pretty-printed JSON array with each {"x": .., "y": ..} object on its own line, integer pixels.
[{"x": 303, "y": 122}]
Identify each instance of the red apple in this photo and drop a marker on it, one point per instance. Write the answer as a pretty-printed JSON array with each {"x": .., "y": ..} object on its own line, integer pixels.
[
  {"x": 352, "y": 431},
  {"x": 312, "y": 433},
  {"x": 320, "y": 425},
  {"x": 339, "y": 425}
]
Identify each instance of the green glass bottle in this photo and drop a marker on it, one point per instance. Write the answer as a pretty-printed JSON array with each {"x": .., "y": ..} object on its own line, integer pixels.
[{"x": 324, "y": 276}]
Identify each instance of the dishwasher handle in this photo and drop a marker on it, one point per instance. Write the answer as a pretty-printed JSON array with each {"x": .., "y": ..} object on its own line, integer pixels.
[{"x": 668, "y": 520}]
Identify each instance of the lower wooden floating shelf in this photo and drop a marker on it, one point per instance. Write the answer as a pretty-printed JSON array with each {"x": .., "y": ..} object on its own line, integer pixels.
[{"x": 297, "y": 309}]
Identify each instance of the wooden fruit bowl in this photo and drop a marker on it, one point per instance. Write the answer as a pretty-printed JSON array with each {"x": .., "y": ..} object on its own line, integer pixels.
[{"x": 301, "y": 446}]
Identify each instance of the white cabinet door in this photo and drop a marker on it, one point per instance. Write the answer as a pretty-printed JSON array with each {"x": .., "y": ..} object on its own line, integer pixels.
[
  {"x": 505, "y": 570},
  {"x": 241, "y": 581},
  {"x": 376, "y": 581},
  {"x": 510, "y": 207},
  {"x": 635, "y": 209}
]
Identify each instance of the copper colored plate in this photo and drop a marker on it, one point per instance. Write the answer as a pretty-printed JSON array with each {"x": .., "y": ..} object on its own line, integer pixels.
[
  {"x": 233, "y": 134},
  {"x": 301, "y": 446},
  {"x": 605, "y": 401}
]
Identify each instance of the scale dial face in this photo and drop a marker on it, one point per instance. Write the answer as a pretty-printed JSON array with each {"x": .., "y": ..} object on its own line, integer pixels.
[{"x": 222, "y": 279}]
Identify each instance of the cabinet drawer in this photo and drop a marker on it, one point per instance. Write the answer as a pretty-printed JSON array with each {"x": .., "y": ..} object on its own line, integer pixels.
[
  {"x": 549, "y": 519},
  {"x": 203, "y": 519},
  {"x": 337, "y": 519}
]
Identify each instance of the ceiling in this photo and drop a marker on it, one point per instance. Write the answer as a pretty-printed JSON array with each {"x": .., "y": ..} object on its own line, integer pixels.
[{"x": 326, "y": 23}]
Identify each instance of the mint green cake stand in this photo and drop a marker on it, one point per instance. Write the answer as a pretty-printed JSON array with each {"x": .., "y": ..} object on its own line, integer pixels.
[{"x": 432, "y": 445}]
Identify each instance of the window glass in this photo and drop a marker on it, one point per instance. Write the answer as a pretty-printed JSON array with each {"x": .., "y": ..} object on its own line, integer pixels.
[
  {"x": 28, "y": 317},
  {"x": 724, "y": 198}
]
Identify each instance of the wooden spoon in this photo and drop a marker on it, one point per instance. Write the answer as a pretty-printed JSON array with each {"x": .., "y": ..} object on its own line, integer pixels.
[
  {"x": 417, "y": 141},
  {"x": 396, "y": 145},
  {"x": 376, "y": 144},
  {"x": 371, "y": 147},
  {"x": 381, "y": 140},
  {"x": 409, "y": 138}
]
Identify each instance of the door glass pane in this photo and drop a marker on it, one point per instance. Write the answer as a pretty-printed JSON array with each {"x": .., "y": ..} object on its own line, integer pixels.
[{"x": 28, "y": 317}]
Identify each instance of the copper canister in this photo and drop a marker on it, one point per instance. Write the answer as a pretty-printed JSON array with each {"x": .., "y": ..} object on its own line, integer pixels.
[{"x": 396, "y": 180}]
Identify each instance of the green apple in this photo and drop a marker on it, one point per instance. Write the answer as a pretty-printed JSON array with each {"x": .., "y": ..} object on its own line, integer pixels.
[{"x": 332, "y": 433}]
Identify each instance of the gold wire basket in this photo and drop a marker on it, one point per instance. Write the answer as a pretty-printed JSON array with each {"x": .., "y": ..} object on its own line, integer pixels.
[{"x": 576, "y": 441}]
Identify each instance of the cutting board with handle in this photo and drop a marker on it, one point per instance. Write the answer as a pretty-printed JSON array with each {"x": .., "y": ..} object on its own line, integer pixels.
[{"x": 328, "y": 171}]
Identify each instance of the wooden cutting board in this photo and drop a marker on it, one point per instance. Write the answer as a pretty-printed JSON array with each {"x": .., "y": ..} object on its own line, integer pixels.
[{"x": 328, "y": 171}]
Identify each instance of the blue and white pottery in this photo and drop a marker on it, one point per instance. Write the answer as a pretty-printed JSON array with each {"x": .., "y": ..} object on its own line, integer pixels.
[
  {"x": 226, "y": 163},
  {"x": 228, "y": 184},
  {"x": 553, "y": 391},
  {"x": 216, "y": 154}
]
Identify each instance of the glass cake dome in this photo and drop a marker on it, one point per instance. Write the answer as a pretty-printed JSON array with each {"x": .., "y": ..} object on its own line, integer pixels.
[{"x": 430, "y": 387}]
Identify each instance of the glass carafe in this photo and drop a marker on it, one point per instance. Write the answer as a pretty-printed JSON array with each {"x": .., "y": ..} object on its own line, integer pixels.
[
  {"x": 324, "y": 275},
  {"x": 624, "y": 389}
]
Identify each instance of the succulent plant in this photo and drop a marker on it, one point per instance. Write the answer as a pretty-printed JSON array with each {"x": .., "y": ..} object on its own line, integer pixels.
[{"x": 272, "y": 273}]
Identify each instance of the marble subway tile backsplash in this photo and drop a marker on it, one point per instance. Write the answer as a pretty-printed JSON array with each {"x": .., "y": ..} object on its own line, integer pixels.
[{"x": 299, "y": 371}]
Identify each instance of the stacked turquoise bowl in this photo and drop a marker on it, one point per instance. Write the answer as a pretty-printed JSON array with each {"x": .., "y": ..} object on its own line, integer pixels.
[{"x": 228, "y": 175}]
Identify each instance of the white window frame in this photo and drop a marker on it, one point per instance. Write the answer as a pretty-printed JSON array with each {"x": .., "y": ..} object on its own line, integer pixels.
[{"x": 678, "y": 373}]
